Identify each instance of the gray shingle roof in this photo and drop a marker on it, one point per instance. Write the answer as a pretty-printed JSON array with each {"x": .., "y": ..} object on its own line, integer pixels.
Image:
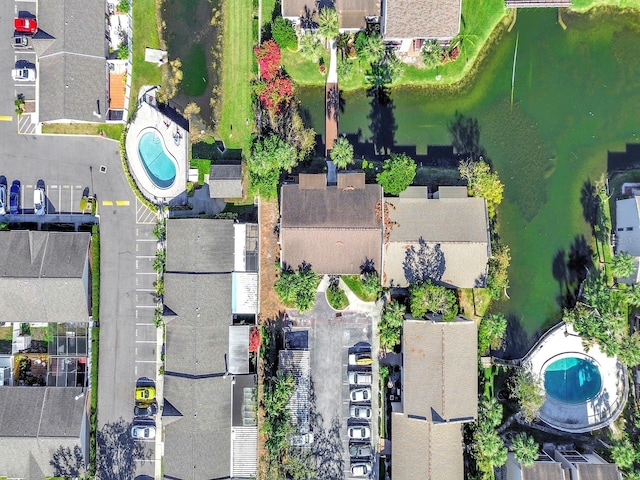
[
  {"x": 199, "y": 245},
  {"x": 45, "y": 273},
  {"x": 591, "y": 471},
  {"x": 422, "y": 19},
  {"x": 543, "y": 471},
  {"x": 448, "y": 350},
  {"x": 72, "y": 69},
  {"x": 225, "y": 181},
  {"x": 334, "y": 230},
  {"x": 197, "y": 338},
  {"x": 198, "y": 444},
  {"x": 426, "y": 451},
  {"x": 34, "y": 423},
  {"x": 457, "y": 226}
]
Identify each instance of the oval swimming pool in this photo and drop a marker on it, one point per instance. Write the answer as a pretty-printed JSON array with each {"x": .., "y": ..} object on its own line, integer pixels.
[
  {"x": 160, "y": 168},
  {"x": 572, "y": 379}
]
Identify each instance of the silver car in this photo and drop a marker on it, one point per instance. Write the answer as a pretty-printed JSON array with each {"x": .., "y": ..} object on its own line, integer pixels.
[
  {"x": 358, "y": 411},
  {"x": 143, "y": 431},
  {"x": 360, "y": 395},
  {"x": 3, "y": 200},
  {"x": 359, "y": 433},
  {"x": 361, "y": 469},
  {"x": 39, "y": 201}
]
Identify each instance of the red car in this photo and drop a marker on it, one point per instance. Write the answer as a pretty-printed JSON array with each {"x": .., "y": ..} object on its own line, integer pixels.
[{"x": 25, "y": 25}]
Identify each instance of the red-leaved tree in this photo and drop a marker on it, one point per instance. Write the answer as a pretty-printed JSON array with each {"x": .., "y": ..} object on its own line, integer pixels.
[
  {"x": 276, "y": 95},
  {"x": 254, "y": 339},
  {"x": 268, "y": 56}
]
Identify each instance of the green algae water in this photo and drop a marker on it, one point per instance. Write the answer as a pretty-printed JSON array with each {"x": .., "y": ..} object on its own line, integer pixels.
[{"x": 576, "y": 97}]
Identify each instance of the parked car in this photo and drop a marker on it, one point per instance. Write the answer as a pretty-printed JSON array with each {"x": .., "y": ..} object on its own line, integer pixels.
[
  {"x": 361, "y": 395},
  {"x": 300, "y": 440},
  {"x": 361, "y": 469},
  {"x": 360, "y": 450},
  {"x": 3, "y": 200},
  {"x": 360, "y": 378},
  {"x": 25, "y": 25},
  {"x": 14, "y": 197},
  {"x": 145, "y": 410},
  {"x": 23, "y": 74},
  {"x": 39, "y": 201},
  {"x": 360, "y": 359},
  {"x": 359, "y": 411},
  {"x": 359, "y": 432},
  {"x": 20, "y": 42},
  {"x": 145, "y": 394},
  {"x": 143, "y": 430}
]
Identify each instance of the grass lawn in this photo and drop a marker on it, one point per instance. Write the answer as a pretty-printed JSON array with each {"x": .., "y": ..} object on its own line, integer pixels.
[
  {"x": 237, "y": 72},
  {"x": 355, "y": 285},
  {"x": 267, "y": 10},
  {"x": 203, "y": 166},
  {"x": 581, "y": 5},
  {"x": 111, "y": 130},
  {"x": 145, "y": 34}
]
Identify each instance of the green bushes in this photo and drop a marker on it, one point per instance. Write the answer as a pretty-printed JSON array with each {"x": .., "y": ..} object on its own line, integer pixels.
[
  {"x": 429, "y": 297},
  {"x": 283, "y": 33},
  {"x": 336, "y": 296},
  {"x": 298, "y": 288},
  {"x": 390, "y": 326}
]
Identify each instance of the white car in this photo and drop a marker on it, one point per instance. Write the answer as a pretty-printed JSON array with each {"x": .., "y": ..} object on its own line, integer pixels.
[
  {"x": 143, "y": 431},
  {"x": 359, "y": 432},
  {"x": 39, "y": 201},
  {"x": 23, "y": 74},
  {"x": 361, "y": 469},
  {"x": 360, "y": 378},
  {"x": 358, "y": 411},
  {"x": 361, "y": 395},
  {"x": 3, "y": 200}
]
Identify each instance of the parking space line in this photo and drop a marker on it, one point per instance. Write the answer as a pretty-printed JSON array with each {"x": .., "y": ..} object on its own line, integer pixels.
[
  {"x": 107, "y": 203},
  {"x": 66, "y": 187},
  {"x": 71, "y": 202},
  {"x": 146, "y": 273},
  {"x": 122, "y": 203},
  {"x": 145, "y": 256},
  {"x": 29, "y": 186},
  {"x": 145, "y": 289},
  {"x": 145, "y": 361},
  {"x": 145, "y": 306},
  {"x": 146, "y": 341},
  {"x": 6, "y": 118},
  {"x": 145, "y": 239},
  {"x": 146, "y": 324}
]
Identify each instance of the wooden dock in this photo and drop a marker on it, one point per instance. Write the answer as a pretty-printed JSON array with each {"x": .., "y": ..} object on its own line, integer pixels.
[{"x": 332, "y": 102}]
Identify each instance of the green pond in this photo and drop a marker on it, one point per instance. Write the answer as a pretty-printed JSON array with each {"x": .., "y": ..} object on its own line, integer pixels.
[
  {"x": 192, "y": 38},
  {"x": 576, "y": 97}
]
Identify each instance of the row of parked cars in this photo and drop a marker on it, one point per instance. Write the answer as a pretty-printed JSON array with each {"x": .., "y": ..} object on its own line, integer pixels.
[
  {"x": 359, "y": 431},
  {"x": 143, "y": 426},
  {"x": 24, "y": 28},
  {"x": 11, "y": 203}
]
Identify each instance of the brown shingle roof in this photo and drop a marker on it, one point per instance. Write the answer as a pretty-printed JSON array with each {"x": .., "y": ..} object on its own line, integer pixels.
[
  {"x": 591, "y": 471},
  {"x": 424, "y": 450},
  {"x": 448, "y": 351},
  {"x": 352, "y": 13},
  {"x": 544, "y": 471},
  {"x": 422, "y": 19},
  {"x": 333, "y": 229}
]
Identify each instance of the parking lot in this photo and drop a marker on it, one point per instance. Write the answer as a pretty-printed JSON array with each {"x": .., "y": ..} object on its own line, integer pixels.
[{"x": 331, "y": 336}]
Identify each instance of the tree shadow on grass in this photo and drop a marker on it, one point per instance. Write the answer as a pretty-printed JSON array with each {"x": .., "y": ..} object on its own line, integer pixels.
[{"x": 118, "y": 452}]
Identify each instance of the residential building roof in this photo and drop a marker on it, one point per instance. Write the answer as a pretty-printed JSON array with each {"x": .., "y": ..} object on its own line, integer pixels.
[
  {"x": 593, "y": 471},
  {"x": 448, "y": 350},
  {"x": 544, "y": 471},
  {"x": 225, "y": 181},
  {"x": 438, "y": 19},
  {"x": 351, "y": 13},
  {"x": 423, "y": 450},
  {"x": 198, "y": 245},
  {"x": 72, "y": 69},
  {"x": 198, "y": 441},
  {"x": 34, "y": 423},
  {"x": 47, "y": 275},
  {"x": 335, "y": 230},
  {"x": 628, "y": 233},
  {"x": 419, "y": 229},
  {"x": 197, "y": 337}
]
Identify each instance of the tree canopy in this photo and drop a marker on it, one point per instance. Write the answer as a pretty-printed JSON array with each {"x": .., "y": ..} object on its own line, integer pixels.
[
  {"x": 622, "y": 265},
  {"x": 397, "y": 173},
  {"x": 268, "y": 158},
  {"x": 298, "y": 288},
  {"x": 390, "y": 326},
  {"x": 429, "y": 297},
  {"x": 525, "y": 449},
  {"x": 342, "y": 153},
  {"x": 431, "y": 54},
  {"x": 311, "y": 47},
  {"x": 482, "y": 182},
  {"x": 284, "y": 34},
  {"x": 491, "y": 332},
  {"x": 328, "y": 23},
  {"x": 369, "y": 47},
  {"x": 526, "y": 388}
]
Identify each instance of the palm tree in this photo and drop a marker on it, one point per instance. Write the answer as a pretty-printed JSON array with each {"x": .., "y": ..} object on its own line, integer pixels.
[
  {"x": 342, "y": 153},
  {"x": 622, "y": 265},
  {"x": 490, "y": 411},
  {"x": 431, "y": 54},
  {"x": 328, "y": 23},
  {"x": 373, "y": 49},
  {"x": 525, "y": 449},
  {"x": 310, "y": 46}
]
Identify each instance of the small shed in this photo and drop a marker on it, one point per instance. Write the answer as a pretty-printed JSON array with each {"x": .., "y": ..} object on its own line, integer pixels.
[{"x": 225, "y": 181}]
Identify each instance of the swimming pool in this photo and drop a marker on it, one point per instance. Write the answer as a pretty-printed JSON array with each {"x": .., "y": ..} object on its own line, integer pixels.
[
  {"x": 160, "y": 168},
  {"x": 572, "y": 379}
]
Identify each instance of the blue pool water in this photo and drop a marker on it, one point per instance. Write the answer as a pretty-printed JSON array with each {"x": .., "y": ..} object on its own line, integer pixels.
[
  {"x": 155, "y": 160},
  {"x": 572, "y": 380}
]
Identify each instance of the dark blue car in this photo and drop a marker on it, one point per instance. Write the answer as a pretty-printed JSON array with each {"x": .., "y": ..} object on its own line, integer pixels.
[{"x": 14, "y": 198}]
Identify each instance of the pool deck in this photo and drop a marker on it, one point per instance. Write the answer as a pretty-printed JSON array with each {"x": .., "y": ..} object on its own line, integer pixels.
[
  {"x": 597, "y": 412},
  {"x": 176, "y": 144}
]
